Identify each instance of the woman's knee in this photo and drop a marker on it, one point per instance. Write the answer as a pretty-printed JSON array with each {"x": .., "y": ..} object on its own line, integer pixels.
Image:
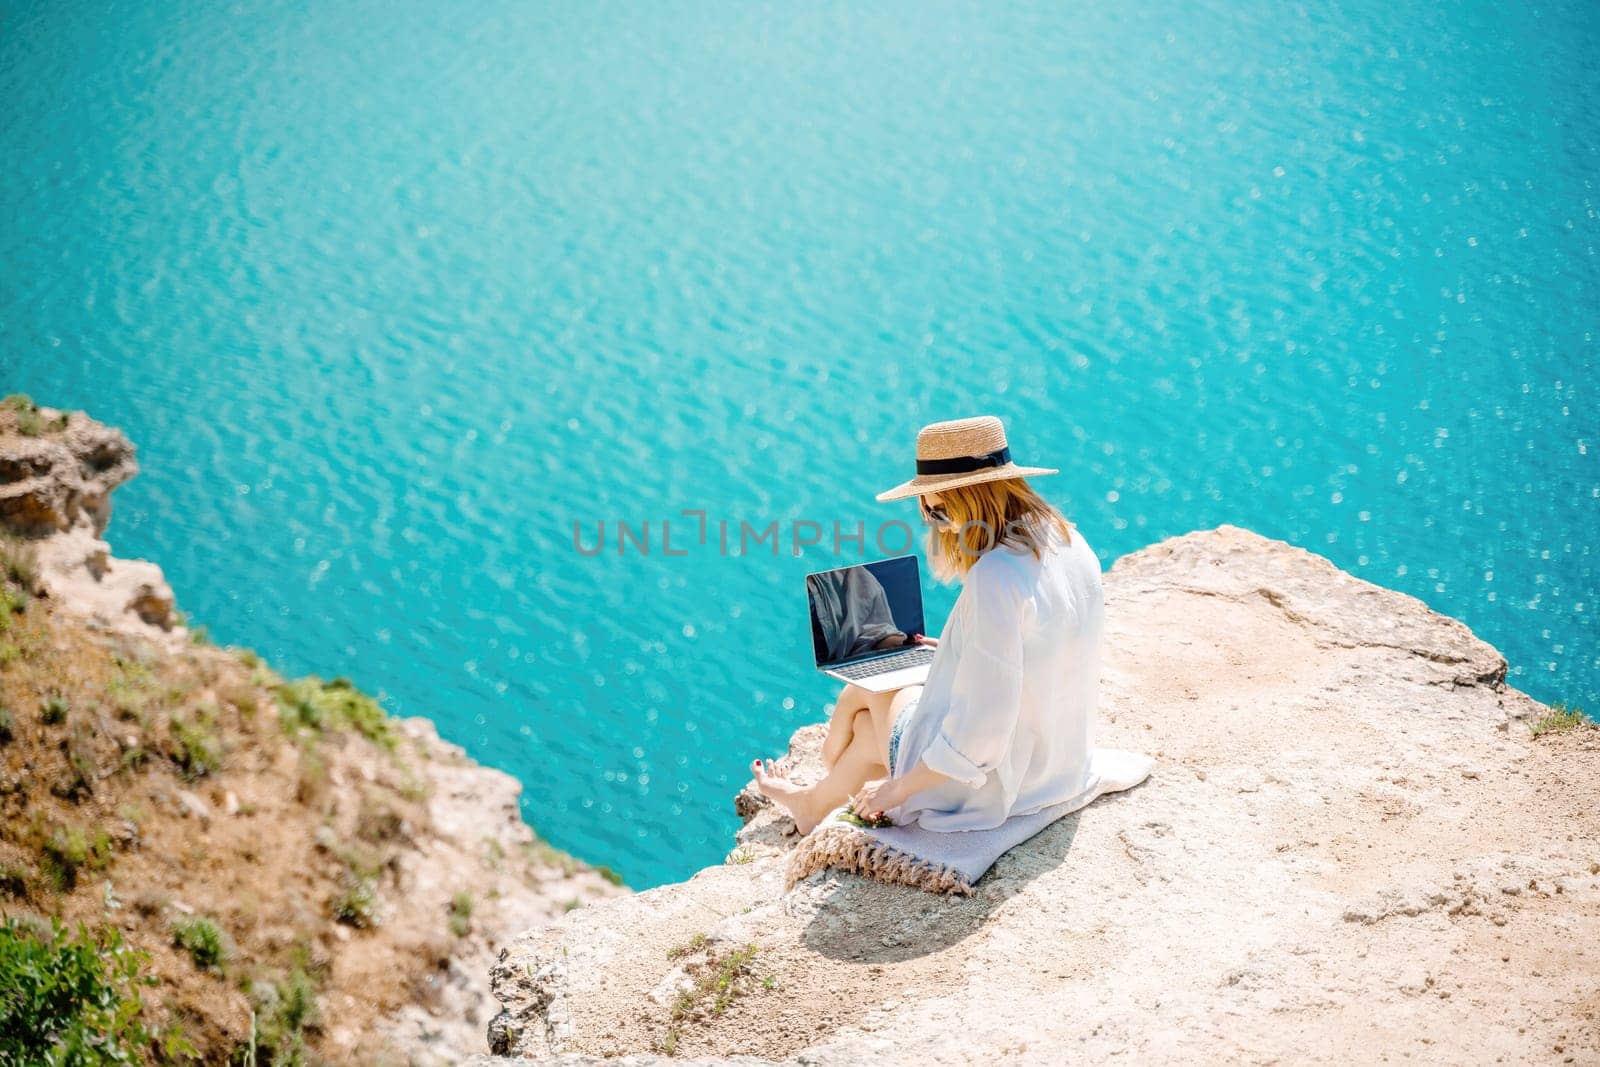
[
  {"x": 870, "y": 738},
  {"x": 852, "y": 696}
]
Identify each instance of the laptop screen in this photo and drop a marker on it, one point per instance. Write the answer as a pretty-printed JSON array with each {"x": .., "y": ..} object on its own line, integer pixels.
[{"x": 864, "y": 610}]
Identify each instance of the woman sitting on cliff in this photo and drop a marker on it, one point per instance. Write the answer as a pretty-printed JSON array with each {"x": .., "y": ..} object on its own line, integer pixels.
[{"x": 1004, "y": 724}]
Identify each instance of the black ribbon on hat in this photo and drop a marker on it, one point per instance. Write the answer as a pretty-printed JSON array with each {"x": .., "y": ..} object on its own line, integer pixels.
[{"x": 962, "y": 464}]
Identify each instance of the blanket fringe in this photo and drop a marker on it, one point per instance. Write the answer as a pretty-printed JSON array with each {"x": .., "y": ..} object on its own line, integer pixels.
[{"x": 846, "y": 848}]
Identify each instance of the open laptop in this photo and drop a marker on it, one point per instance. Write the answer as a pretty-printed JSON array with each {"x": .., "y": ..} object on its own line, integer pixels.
[{"x": 864, "y": 624}]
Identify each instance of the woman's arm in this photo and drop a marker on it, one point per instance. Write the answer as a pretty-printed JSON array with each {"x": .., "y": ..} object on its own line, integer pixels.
[
  {"x": 877, "y": 797},
  {"x": 916, "y": 780},
  {"x": 985, "y": 697},
  {"x": 985, "y": 700}
]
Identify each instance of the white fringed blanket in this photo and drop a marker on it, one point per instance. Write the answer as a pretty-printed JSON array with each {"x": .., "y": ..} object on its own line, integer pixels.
[{"x": 948, "y": 862}]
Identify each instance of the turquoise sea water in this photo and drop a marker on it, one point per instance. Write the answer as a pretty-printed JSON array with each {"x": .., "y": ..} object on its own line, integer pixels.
[{"x": 390, "y": 295}]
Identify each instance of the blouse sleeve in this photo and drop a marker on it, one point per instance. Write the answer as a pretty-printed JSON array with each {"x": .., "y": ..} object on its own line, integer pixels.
[{"x": 986, "y": 688}]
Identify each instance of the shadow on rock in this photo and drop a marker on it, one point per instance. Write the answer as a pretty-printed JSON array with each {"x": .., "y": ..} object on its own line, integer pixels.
[{"x": 864, "y": 921}]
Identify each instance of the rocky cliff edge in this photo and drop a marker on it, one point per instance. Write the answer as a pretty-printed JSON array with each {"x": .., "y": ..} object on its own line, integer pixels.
[
  {"x": 1354, "y": 846},
  {"x": 306, "y": 878}
]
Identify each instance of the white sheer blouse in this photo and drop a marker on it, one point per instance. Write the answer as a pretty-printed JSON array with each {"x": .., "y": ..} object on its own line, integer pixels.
[{"x": 1009, "y": 707}]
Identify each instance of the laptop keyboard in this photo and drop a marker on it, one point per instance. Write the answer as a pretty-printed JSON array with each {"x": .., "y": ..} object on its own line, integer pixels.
[{"x": 911, "y": 657}]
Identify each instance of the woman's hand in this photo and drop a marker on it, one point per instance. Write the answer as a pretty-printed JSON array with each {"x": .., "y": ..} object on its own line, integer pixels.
[
  {"x": 924, "y": 639},
  {"x": 876, "y": 797}
]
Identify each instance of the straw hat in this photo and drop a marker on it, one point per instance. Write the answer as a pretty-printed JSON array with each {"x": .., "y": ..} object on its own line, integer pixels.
[{"x": 961, "y": 452}]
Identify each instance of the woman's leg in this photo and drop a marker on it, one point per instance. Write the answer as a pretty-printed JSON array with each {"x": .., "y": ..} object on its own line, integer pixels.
[
  {"x": 852, "y": 699},
  {"x": 857, "y": 765},
  {"x": 865, "y": 758},
  {"x": 884, "y": 711},
  {"x": 883, "y": 708}
]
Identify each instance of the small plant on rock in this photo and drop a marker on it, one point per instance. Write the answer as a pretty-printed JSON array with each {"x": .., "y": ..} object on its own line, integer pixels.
[
  {"x": 1561, "y": 718},
  {"x": 688, "y": 948},
  {"x": 310, "y": 705},
  {"x": 69, "y": 850},
  {"x": 18, "y": 563},
  {"x": 284, "y": 1011},
  {"x": 193, "y": 744},
  {"x": 461, "y": 914},
  {"x": 357, "y": 904},
  {"x": 202, "y": 939},
  {"x": 718, "y": 982},
  {"x": 53, "y": 709}
]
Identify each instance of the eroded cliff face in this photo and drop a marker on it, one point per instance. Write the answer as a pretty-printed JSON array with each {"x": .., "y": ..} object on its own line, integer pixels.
[
  {"x": 354, "y": 872},
  {"x": 57, "y": 471},
  {"x": 1352, "y": 847}
]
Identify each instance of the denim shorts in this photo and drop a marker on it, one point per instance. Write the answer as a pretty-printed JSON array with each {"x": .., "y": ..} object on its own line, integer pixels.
[{"x": 898, "y": 728}]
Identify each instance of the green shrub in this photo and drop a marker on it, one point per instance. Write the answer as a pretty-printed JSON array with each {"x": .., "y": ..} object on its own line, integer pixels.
[
  {"x": 53, "y": 709},
  {"x": 133, "y": 758},
  {"x": 309, "y": 703},
  {"x": 69, "y": 849},
  {"x": 82, "y": 770},
  {"x": 283, "y": 1012},
  {"x": 202, "y": 940},
  {"x": 1561, "y": 718},
  {"x": 193, "y": 744},
  {"x": 130, "y": 691},
  {"x": 461, "y": 914},
  {"x": 73, "y": 999},
  {"x": 17, "y": 562},
  {"x": 357, "y": 903},
  {"x": 13, "y": 601},
  {"x": 8, "y": 725}
]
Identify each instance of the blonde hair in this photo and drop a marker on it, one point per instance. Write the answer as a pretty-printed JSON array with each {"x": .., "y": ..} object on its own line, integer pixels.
[{"x": 1006, "y": 511}]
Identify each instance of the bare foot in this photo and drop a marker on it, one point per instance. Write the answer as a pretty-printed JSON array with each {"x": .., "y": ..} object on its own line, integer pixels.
[{"x": 792, "y": 798}]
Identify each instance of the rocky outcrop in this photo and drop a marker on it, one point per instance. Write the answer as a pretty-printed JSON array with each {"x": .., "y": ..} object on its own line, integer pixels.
[
  {"x": 358, "y": 872},
  {"x": 57, "y": 471},
  {"x": 1352, "y": 848},
  {"x": 62, "y": 475},
  {"x": 476, "y": 843}
]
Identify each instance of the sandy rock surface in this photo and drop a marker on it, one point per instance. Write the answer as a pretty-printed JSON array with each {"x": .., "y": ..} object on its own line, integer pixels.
[{"x": 1351, "y": 849}]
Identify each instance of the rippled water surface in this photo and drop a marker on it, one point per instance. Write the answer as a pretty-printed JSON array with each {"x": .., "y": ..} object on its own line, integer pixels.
[{"x": 389, "y": 295}]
